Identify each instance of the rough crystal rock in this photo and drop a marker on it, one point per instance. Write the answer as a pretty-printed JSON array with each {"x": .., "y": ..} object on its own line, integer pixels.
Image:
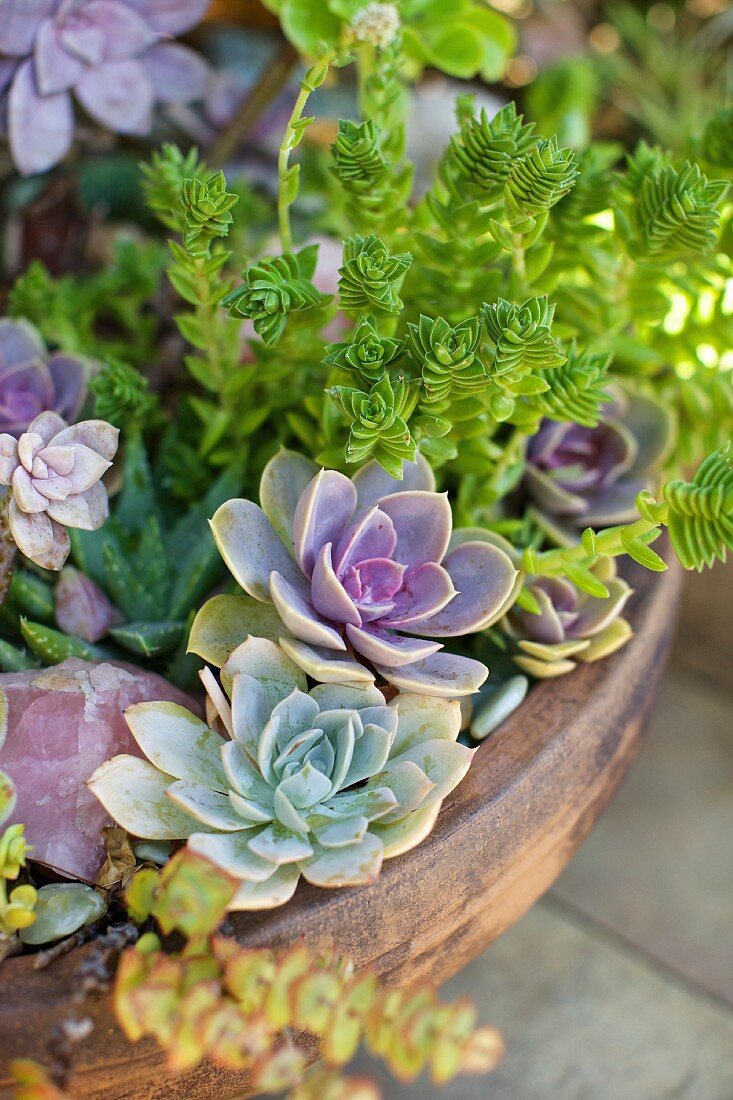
[{"x": 63, "y": 722}]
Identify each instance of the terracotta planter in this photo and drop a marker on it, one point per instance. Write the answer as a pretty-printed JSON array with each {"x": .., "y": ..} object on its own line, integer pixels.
[
  {"x": 249, "y": 13},
  {"x": 536, "y": 788}
]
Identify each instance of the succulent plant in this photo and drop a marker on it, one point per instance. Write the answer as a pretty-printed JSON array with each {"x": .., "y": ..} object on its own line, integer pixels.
[
  {"x": 538, "y": 181},
  {"x": 590, "y": 476},
  {"x": 567, "y": 625},
  {"x": 522, "y": 338},
  {"x": 132, "y": 586},
  {"x": 326, "y": 783},
  {"x": 113, "y": 56},
  {"x": 358, "y": 161},
  {"x": 378, "y": 423},
  {"x": 370, "y": 277},
  {"x": 375, "y": 576},
  {"x": 447, "y": 356},
  {"x": 16, "y": 908},
  {"x": 483, "y": 150},
  {"x": 32, "y": 381},
  {"x": 207, "y": 209},
  {"x": 55, "y": 473},
  {"x": 367, "y": 353},
  {"x": 274, "y": 289}
]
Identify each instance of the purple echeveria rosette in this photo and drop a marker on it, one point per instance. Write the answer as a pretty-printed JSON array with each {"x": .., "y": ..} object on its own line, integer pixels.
[
  {"x": 569, "y": 625},
  {"x": 114, "y": 57},
  {"x": 363, "y": 571},
  {"x": 581, "y": 477},
  {"x": 32, "y": 382}
]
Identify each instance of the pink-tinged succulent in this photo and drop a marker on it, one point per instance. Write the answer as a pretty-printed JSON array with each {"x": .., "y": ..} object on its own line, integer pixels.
[
  {"x": 55, "y": 472},
  {"x": 364, "y": 574},
  {"x": 590, "y": 477},
  {"x": 112, "y": 56},
  {"x": 571, "y": 625},
  {"x": 32, "y": 381}
]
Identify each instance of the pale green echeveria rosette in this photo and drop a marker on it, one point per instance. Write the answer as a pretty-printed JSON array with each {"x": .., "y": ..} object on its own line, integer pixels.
[
  {"x": 568, "y": 625},
  {"x": 326, "y": 783},
  {"x": 356, "y": 578}
]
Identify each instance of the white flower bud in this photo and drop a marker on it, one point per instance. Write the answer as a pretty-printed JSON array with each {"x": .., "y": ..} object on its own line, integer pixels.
[{"x": 376, "y": 24}]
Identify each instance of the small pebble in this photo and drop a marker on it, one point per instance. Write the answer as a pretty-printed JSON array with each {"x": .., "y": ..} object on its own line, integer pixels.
[
  {"x": 492, "y": 712},
  {"x": 152, "y": 851},
  {"x": 62, "y": 908}
]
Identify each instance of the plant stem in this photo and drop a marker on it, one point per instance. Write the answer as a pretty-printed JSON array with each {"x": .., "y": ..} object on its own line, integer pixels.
[
  {"x": 288, "y": 177},
  {"x": 608, "y": 542},
  {"x": 509, "y": 455},
  {"x": 8, "y": 549},
  {"x": 364, "y": 69},
  {"x": 267, "y": 88},
  {"x": 519, "y": 266}
]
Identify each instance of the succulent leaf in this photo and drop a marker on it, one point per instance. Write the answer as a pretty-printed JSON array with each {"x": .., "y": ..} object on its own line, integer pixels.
[{"x": 701, "y": 512}]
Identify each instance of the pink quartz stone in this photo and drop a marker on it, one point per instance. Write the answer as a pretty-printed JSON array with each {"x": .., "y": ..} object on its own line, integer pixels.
[
  {"x": 63, "y": 722},
  {"x": 82, "y": 608}
]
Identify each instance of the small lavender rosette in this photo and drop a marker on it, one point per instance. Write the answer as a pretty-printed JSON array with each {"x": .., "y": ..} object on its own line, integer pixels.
[{"x": 581, "y": 477}]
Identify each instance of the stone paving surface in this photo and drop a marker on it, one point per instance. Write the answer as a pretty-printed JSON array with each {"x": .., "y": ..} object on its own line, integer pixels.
[{"x": 618, "y": 985}]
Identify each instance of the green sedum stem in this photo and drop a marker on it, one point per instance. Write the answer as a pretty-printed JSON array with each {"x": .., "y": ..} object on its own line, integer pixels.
[{"x": 289, "y": 177}]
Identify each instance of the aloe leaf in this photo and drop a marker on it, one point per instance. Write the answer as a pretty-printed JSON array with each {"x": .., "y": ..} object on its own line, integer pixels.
[
  {"x": 138, "y": 499},
  {"x": 14, "y": 659},
  {"x": 148, "y": 639},
  {"x": 52, "y": 646},
  {"x": 32, "y": 595}
]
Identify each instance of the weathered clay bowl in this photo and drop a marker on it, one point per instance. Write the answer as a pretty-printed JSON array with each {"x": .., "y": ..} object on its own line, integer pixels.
[
  {"x": 535, "y": 790},
  {"x": 250, "y": 13}
]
